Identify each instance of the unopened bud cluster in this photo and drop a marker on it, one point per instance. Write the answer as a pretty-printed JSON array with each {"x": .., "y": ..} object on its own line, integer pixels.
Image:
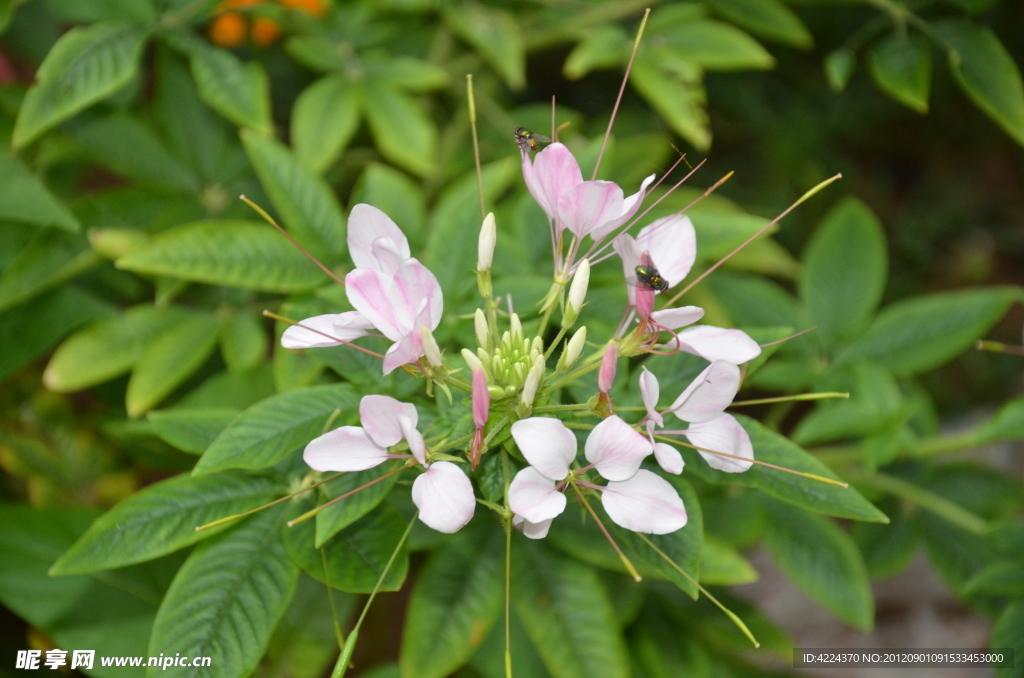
[{"x": 510, "y": 364}]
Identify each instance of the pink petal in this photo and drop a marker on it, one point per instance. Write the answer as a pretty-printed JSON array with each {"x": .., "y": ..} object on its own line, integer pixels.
[
  {"x": 629, "y": 253},
  {"x": 379, "y": 416},
  {"x": 616, "y": 449},
  {"x": 669, "y": 458},
  {"x": 673, "y": 245},
  {"x": 414, "y": 438},
  {"x": 708, "y": 394},
  {"x": 644, "y": 503},
  {"x": 606, "y": 375},
  {"x": 367, "y": 224},
  {"x": 547, "y": 444},
  {"x": 644, "y": 302},
  {"x": 723, "y": 434},
  {"x": 534, "y": 497},
  {"x": 368, "y": 292},
  {"x": 715, "y": 343},
  {"x": 553, "y": 173},
  {"x": 348, "y": 448},
  {"x": 413, "y": 290},
  {"x": 406, "y": 350},
  {"x": 444, "y": 496},
  {"x": 332, "y": 325},
  {"x": 481, "y": 398},
  {"x": 389, "y": 257},
  {"x": 532, "y": 530},
  {"x": 588, "y": 205},
  {"x": 674, "y": 318},
  {"x": 629, "y": 208},
  {"x": 650, "y": 391}
]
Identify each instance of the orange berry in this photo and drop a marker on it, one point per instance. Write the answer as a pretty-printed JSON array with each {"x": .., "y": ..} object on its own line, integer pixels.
[
  {"x": 264, "y": 31},
  {"x": 228, "y": 30}
]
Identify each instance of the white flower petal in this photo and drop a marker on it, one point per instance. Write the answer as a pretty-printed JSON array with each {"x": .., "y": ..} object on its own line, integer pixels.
[
  {"x": 534, "y": 497},
  {"x": 650, "y": 391},
  {"x": 368, "y": 291},
  {"x": 672, "y": 243},
  {"x": 644, "y": 503},
  {"x": 723, "y": 434},
  {"x": 380, "y": 414},
  {"x": 444, "y": 496},
  {"x": 413, "y": 289},
  {"x": 715, "y": 343},
  {"x": 674, "y": 318},
  {"x": 367, "y": 224},
  {"x": 532, "y": 530},
  {"x": 616, "y": 449},
  {"x": 316, "y": 332},
  {"x": 629, "y": 253},
  {"x": 668, "y": 458},
  {"x": 348, "y": 448},
  {"x": 414, "y": 438},
  {"x": 547, "y": 444},
  {"x": 708, "y": 394}
]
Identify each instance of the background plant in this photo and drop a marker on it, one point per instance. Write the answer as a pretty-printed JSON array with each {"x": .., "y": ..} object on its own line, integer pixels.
[{"x": 133, "y": 282}]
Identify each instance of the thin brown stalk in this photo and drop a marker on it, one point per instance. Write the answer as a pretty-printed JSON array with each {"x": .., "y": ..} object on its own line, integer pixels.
[
  {"x": 270, "y": 220},
  {"x": 275, "y": 316}
]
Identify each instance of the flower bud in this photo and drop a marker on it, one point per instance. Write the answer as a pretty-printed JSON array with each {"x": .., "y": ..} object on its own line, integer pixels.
[
  {"x": 430, "y": 349},
  {"x": 577, "y": 293},
  {"x": 606, "y": 376},
  {"x": 485, "y": 247},
  {"x": 481, "y": 398},
  {"x": 482, "y": 334},
  {"x": 573, "y": 349},
  {"x": 471, "y": 360},
  {"x": 533, "y": 382},
  {"x": 517, "y": 329}
]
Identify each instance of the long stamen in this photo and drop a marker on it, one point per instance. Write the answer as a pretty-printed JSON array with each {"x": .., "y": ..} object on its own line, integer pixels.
[
  {"x": 998, "y": 347},
  {"x": 239, "y": 516},
  {"x": 270, "y": 220},
  {"x": 754, "y": 237},
  {"x": 476, "y": 143},
  {"x": 622, "y": 90},
  {"x": 622, "y": 556},
  {"x": 309, "y": 514},
  {"x": 275, "y": 316},
  {"x": 792, "y": 336},
  {"x": 785, "y": 399}
]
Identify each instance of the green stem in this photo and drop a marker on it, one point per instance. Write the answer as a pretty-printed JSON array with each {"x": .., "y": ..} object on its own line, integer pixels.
[
  {"x": 836, "y": 455},
  {"x": 591, "y": 363},
  {"x": 561, "y": 408},
  {"x": 784, "y": 399},
  {"x": 554, "y": 343},
  {"x": 239, "y": 516},
  {"x": 508, "y": 567},
  {"x": 930, "y": 501},
  {"x": 330, "y": 598}
]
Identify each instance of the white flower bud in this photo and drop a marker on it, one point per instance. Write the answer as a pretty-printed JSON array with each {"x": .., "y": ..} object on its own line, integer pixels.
[
  {"x": 532, "y": 382},
  {"x": 482, "y": 334},
  {"x": 471, "y": 360},
  {"x": 517, "y": 329},
  {"x": 577, "y": 293},
  {"x": 485, "y": 247},
  {"x": 430, "y": 348},
  {"x": 572, "y": 351}
]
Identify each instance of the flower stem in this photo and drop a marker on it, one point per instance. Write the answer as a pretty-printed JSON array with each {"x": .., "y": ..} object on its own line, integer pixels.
[
  {"x": 350, "y": 645},
  {"x": 330, "y": 598},
  {"x": 239, "y": 516},
  {"x": 508, "y": 567},
  {"x": 476, "y": 143},
  {"x": 784, "y": 399},
  {"x": 622, "y": 556},
  {"x": 270, "y": 220},
  {"x": 312, "y": 512},
  {"x": 622, "y": 90},
  {"x": 732, "y": 615},
  {"x": 561, "y": 408}
]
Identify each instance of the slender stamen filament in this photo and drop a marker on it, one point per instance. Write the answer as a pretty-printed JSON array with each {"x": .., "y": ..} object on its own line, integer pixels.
[
  {"x": 239, "y": 516},
  {"x": 281, "y": 318},
  {"x": 270, "y": 220},
  {"x": 792, "y": 336},
  {"x": 622, "y": 556},
  {"x": 309, "y": 514}
]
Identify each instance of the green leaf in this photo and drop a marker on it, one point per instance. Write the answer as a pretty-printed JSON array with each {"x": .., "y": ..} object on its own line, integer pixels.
[
  {"x": 304, "y": 642},
  {"x": 604, "y": 47},
  {"x": 340, "y": 515},
  {"x": 1007, "y": 424},
  {"x": 901, "y": 65},
  {"x": 455, "y": 223},
  {"x": 922, "y": 333},
  {"x": 90, "y": 11},
  {"x": 844, "y": 272},
  {"x": 307, "y": 206},
  {"x": 986, "y": 72},
  {"x": 810, "y": 494},
  {"x": 191, "y": 430},
  {"x": 401, "y": 127},
  {"x": 873, "y": 406},
  {"x": 769, "y": 19},
  {"x": 226, "y": 600},
  {"x": 244, "y": 254},
  {"x": 753, "y": 301},
  {"x": 106, "y": 349},
  {"x": 1002, "y": 578},
  {"x": 680, "y": 104},
  {"x": 413, "y": 75},
  {"x": 86, "y": 65},
  {"x": 457, "y": 598},
  {"x": 169, "y": 360},
  {"x": 357, "y": 555},
  {"x": 243, "y": 341},
  {"x": 717, "y": 46},
  {"x": 957, "y": 555},
  {"x": 25, "y": 198},
  {"x": 30, "y": 330},
  {"x": 823, "y": 561},
  {"x": 494, "y": 33},
  {"x": 567, "y": 613},
  {"x": 722, "y": 565},
  {"x": 273, "y": 429},
  {"x": 395, "y": 194},
  {"x": 127, "y": 145},
  {"x": 238, "y": 91},
  {"x": 324, "y": 120},
  {"x": 52, "y": 257},
  {"x": 839, "y": 67},
  {"x": 887, "y": 549},
  {"x": 1009, "y": 632},
  {"x": 162, "y": 518}
]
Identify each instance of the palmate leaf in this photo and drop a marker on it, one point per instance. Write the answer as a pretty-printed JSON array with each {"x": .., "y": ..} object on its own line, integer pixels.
[
  {"x": 245, "y": 254},
  {"x": 325, "y": 117},
  {"x": 456, "y": 600},
  {"x": 226, "y": 600},
  {"x": 803, "y": 492},
  {"x": 271, "y": 430},
  {"x": 162, "y": 518},
  {"x": 24, "y": 198},
  {"x": 86, "y": 65}
]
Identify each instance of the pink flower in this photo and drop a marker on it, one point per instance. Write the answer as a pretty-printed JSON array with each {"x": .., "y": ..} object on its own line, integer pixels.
[
  {"x": 715, "y": 343},
  {"x": 672, "y": 243},
  {"x": 399, "y": 306},
  {"x": 606, "y": 375},
  {"x": 443, "y": 493},
  {"x": 326, "y": 330}
]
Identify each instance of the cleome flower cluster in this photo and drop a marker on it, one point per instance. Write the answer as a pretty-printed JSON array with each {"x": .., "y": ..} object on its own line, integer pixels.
[{"x": 514, "y": 390}]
